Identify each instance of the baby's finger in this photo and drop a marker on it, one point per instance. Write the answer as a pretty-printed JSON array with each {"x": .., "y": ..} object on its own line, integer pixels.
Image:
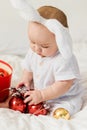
[
  {"x": 27, "y": 93},
  {"x": 32, "y": 102},
  {"x": 20, "y": 85},
  {"x": 27, "y": 99}
]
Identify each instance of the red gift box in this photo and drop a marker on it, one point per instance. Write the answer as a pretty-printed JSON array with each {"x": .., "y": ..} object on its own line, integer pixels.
[{"x": 5, "y": 80}]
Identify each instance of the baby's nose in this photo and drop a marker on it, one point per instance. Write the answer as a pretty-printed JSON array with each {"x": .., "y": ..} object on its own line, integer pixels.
[{"x": 37, "y": 49}]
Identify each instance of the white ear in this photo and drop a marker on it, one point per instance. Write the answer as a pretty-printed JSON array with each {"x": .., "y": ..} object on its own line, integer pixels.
[
  {"x": 63, "y": 38},
  {"x": 27, "y": 11},
  {"x": 19, "y": 4}
]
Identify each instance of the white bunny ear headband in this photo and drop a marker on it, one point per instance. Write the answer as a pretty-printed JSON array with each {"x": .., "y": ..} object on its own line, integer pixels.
[{"x": 62, "y": 35}]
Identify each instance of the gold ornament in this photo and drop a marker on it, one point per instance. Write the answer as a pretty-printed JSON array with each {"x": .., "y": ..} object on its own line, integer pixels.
[{"x": 61, "y": 113}]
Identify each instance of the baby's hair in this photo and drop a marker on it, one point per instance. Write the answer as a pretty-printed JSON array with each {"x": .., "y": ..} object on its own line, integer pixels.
[{"x": 50, "y": 12}]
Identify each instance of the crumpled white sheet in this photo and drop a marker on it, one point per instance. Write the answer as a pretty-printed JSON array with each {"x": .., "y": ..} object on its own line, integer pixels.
[{"x": 14, "y": 120}]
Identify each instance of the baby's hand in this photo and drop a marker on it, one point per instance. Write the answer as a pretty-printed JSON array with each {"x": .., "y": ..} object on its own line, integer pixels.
[{"x": 33, "y": 97}]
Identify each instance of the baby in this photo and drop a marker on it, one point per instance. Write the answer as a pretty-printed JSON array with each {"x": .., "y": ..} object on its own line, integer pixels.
[{"x": 50, "y": 67}]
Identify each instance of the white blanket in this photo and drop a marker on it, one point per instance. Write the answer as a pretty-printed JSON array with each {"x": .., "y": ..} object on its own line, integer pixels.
[{"x": 14, "y": 120}]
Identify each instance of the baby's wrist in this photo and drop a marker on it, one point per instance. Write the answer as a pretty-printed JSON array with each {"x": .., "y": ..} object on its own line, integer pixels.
[{"x": 42, "y": 95}]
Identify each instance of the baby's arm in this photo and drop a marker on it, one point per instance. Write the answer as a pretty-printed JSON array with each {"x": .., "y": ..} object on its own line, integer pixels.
[
  {"x": 56, "y": 90},
  {"x": 27, "y": 79}
]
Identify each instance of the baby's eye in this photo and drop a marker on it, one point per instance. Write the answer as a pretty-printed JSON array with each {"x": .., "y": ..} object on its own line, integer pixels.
[
  {"x": 33, "y": 42},
  {"x": 45, "y": 46}
]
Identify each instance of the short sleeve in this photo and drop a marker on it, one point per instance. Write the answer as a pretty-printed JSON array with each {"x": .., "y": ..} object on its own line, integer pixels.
[
  {"x": 26, "y": 63},
  {"x": 67, "y": 69}
]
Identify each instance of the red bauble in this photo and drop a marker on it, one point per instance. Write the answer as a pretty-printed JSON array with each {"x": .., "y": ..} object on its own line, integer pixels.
[
  {"x": 37, "y": 109},
  {"x": 16, "y": 103},
  {"x": 43, "y": 111}
]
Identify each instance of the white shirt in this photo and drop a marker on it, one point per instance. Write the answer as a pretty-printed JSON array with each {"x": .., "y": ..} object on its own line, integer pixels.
[{"x": 47, "y": 70}]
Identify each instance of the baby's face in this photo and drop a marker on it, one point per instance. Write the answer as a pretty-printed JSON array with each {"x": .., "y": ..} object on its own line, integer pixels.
[{"x": 42, "y": 41}]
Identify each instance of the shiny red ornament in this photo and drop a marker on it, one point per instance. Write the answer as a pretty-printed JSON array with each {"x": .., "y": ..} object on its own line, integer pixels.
[
  {"x": 37, "y": 109},
  {"x": 16, "y": 103}
]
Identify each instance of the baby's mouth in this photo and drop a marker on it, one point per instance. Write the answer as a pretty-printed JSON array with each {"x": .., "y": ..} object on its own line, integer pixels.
[{"x": 40, "y": 54}]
